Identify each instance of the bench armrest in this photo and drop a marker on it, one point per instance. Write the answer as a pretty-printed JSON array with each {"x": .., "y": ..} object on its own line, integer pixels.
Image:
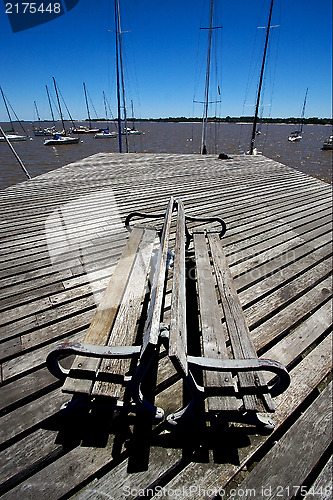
[
  {"x": 94, "y": 351},
  {"x": 209, "y": 219},
  {"x": 247, "y": 365}
]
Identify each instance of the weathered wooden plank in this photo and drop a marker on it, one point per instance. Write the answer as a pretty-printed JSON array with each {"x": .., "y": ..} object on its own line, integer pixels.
[
  {"x": 294, "y": 312},
  {"x": 101, "y": 324},
  {"x": 25, "y": 387},
  {"x": 124, "y": 327},
  {"x": 35, "y": 359},
  {"x": 238, "y": 330},
  {"x": 178, "y": 328},
  {"x": 323, "y": 485},
  {"x": 283, "y": 470},
  {"x": 213, "y": 333},
  {"x": 209, "y": 476},
  {"x": 152, "y": 326},
  {"x": 302, "y": 337},
  {"x": 23, "y": 457},
  {"x": 290, "y": 289},
  {"x": 30, "y": 415}
]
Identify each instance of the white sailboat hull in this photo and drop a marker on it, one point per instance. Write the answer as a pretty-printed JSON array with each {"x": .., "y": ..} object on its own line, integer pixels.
[
  {"x": 59, "y": 141},
  {"x": 14, "y": 137}
]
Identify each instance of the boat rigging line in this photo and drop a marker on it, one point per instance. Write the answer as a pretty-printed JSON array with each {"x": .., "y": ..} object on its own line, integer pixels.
[
  {"x": 7, "y": 103},
  {"x": 86, "y": 98},
  {"x": 38, "y": 117},
  {"x": 48, "y": 96},
  {"x": 63, "y": 100},
  {"x": 254, "y": 128},
  {"x": 120, "y": 78},
  {"x": 56, "y": 91},
  {"x": 14, "y": 153},
  {"x": 203, "y": 149}
]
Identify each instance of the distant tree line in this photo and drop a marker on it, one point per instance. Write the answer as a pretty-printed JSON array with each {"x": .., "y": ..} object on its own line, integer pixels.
[
  {"x": 227, "y": 119},
  {"x": 242, "y": 119}
]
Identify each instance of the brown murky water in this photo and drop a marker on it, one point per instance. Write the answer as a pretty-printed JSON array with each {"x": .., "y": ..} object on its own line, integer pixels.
[{"x": 160, "y": 137}]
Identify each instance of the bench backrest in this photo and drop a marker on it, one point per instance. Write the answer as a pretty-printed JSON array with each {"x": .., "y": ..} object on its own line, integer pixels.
[
  {"x": 153, "y": 322},
  {"x": 178, "y": 331}
]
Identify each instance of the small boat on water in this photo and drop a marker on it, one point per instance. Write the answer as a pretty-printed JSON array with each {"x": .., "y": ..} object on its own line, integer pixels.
[
  {"x": 328, "y": 144},
  {"x": 13, "y": 137},
  {"x": 84, "y": 130},
  {"x": 81, "y": 129},
  {"x": 297, "y": 135},
  {"x": 47, "y": 132},
  {"x": 105, "y": 134},
  {"x": 131, "y": 131},
  {"x": 58, "y": 140}
]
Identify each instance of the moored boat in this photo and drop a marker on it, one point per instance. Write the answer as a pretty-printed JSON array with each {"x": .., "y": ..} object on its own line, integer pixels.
[
  {"x": 105, "y": 134},
  {"x": 297, "y": 135},
  {"x": 84, "y": 130},
  {"x": 60, "y": 140},
  {"x": 13, "y": 137},
  {"x": 57, "y": 139},
  {"x": 328, "y": 144},
  {"x": 131, "y": 131}
]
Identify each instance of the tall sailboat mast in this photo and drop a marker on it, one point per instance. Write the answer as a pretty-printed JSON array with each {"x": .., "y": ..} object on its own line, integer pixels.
[
  {"x": 56, "y": 91},
  {"x": 38, "y": 117},
  {"x": 85, "y": 95},
  {"x": 303, "y": 110},
  {"x": 255, "y": 121},
  {"x": 205, "y": 109},
  {"x": 120, "y": 78},
  {"x": 48, "y": 96}
]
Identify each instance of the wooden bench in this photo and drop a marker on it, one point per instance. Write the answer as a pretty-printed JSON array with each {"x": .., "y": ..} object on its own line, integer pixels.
[
  {"x": 232, "y": 373},
  {"x": 100, "y": 368},
  {"x": 233, "y": 382}
]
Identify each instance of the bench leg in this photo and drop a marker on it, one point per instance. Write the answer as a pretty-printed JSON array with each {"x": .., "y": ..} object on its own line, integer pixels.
[
  {"x": 142, "y": 402},
  {"x": 196, "y": 395}
]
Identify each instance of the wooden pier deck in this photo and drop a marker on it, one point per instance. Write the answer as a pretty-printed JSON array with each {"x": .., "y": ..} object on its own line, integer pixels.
[{"x": 61, "y": 235}]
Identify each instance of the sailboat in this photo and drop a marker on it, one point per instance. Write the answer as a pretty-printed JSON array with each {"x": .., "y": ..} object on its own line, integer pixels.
[
  {"x": 40, "y": 131},
  {"x": 253, "y": 150},
  {"x": 105, "y": 133},
  {"x": 328, "y": 144},
  {"x": 297, "y": 135},
  {"x": 57, "y": 139},
  {"x": 81, "y": 129},
  {"x": 10, "y": 134},
  {"x": 133, "y": 130}
]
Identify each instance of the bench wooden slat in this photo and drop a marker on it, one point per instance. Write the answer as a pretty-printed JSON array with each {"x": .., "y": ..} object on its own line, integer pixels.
[
  {"x": 178, "y": 330},
  {"x": 239, "y": 334},
  {"x": 153, "y": 322},
  {"x": 213, "y": 336},
  {"x": 124, "y": 328},
  {"x": 100, "y": 327}
]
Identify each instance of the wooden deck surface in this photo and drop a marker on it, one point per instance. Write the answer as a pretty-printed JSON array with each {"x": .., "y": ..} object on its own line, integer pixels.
[{"x": 61, "y": 236}]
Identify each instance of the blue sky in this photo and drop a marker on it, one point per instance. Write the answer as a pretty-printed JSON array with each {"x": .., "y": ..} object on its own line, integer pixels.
[{"x": 165, "y": 54}]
